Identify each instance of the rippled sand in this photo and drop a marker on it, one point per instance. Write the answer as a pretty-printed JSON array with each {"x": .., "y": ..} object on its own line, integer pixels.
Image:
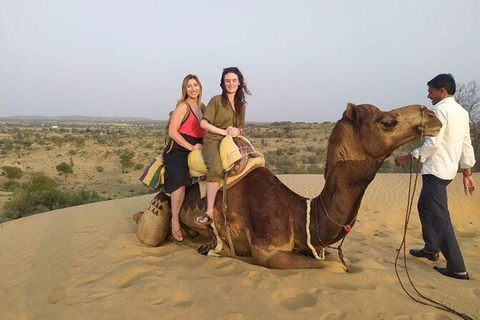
[{"x": 86, "y": 263}]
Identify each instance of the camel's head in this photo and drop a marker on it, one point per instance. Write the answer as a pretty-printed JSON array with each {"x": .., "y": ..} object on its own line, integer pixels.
[{"x": 376, "y": 134}]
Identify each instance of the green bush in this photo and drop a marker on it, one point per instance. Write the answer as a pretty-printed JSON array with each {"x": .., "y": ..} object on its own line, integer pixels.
[
  {"x": 138, "y": 166},
  {"x": 126, "y": 159},
  {"x": 12, "y": 172},
  {"x": 314, "y": 169},
  {"x": 40, "y": 194},
  {"x": 11, "y": 185},
  {"x": 64, "y": 169}
]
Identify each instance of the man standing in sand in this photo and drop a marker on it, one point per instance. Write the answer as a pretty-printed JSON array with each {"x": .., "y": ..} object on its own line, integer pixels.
[{"x": 440, "y": 156}]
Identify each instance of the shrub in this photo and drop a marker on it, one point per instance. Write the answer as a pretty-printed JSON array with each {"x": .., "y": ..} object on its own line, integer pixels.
[
  {"x": 126, "y": 159},
  {"x": 80, "y": 141},
  {"x": 138, "y": 166},
  {"x": 313, "y": 168},
  {"x": 64, "y": 169},
  {"x": 58, "y": 141},
  {"x": 12, "y": 172},
  {"x": 39, "y": 194},
  {"x": 11, "y": 185}
]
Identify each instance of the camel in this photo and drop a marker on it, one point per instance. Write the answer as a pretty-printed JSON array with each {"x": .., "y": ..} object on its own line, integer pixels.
[{"x": 268, "y": 221}]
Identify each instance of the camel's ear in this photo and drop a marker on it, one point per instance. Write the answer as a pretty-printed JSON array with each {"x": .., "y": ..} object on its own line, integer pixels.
[{"x": 351, "y": 111}]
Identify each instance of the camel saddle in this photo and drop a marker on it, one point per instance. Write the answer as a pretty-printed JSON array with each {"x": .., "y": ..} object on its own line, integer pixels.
[{"x": 234, "y": 155}]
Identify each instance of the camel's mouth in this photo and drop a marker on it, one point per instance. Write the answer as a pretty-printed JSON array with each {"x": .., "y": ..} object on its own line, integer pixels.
[{"x": 430, "y": 131}]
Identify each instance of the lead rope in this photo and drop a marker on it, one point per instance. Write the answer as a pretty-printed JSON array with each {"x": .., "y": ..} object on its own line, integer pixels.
[
  {"x": 410, "y": 198},
  {"x": 224, "y": 212}
]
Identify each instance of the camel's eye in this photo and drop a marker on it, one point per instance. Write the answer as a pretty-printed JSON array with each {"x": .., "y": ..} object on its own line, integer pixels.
[{"x": 389, "y": 124}]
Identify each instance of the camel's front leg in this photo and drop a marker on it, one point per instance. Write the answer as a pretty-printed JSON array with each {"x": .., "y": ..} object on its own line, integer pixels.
[
  {"x": 153, "y": 225},
  {"x": 278, "y": 259}
]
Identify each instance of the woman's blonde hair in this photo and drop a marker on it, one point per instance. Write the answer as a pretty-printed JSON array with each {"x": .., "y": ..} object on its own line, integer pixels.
[{"x": 184, "y": 89}]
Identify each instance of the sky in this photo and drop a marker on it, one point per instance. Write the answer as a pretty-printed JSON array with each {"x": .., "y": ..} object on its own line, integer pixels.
[{"x": 302, "y": 60}]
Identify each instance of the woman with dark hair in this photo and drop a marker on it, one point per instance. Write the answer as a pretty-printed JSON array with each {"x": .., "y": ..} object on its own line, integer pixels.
[
  {"x": 186, "y": 135},
  {"x": 224, "y": 115}
]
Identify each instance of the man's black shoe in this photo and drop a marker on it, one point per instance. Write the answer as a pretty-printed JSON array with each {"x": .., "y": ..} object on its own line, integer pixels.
[
  {"x": 448, "y": 273},
  {"x": 421, "y": 253}
]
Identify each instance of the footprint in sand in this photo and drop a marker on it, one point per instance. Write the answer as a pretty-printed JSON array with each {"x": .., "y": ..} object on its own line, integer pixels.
[
  {"x": 131, "y": 276},
  {"x": 252, "y": 279},
  {"x": 302, "y": 300},
  {"x": 293, "y": 299},
  {"x": 224, "y": 267},
  {"x": 56, "y": 295},
  {"x": 182, "y": 299}
]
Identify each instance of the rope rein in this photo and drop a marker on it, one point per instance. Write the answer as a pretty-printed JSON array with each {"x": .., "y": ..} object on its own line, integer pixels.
[
  {"x": 346, "y": 227},
  {"x": 410, "y": 198}
]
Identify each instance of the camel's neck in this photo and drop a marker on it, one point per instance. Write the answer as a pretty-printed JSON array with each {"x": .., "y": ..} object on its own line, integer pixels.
[{"x": 339, "y": 201}]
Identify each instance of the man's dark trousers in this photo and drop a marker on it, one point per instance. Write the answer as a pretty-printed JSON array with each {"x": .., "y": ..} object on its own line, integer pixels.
[{"x": 437, "y": 228}]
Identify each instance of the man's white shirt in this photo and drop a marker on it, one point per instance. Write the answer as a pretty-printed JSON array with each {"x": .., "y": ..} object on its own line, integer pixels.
[{"x": 452, "y": 145}]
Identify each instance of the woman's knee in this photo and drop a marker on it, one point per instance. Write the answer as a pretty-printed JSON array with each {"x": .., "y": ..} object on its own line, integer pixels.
[{"x": 214, "y": 174}]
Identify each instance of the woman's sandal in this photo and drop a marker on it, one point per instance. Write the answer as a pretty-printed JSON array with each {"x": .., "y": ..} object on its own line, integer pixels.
[
  {"x": 177, "y": 235},
  {"x": 203, "y": 219}
]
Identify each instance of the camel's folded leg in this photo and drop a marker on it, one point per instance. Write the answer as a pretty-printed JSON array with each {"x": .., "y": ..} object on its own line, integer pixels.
[
  {"x": 286, "y": 260},
  {"x": 153, "y": 225}
]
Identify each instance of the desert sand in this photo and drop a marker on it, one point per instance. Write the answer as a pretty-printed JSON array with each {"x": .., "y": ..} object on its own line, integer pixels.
[{"x": 85, "y": 262}]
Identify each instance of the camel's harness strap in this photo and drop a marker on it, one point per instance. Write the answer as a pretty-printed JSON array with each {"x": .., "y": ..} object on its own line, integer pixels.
[
  {"x": 346, "y": 227},
  {"x": 224, "y": 212},
  {"x": 411, "y": 194},
  {"x": 309, "y": 237}
]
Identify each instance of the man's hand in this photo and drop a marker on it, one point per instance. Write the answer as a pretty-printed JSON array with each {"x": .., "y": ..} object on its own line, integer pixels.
[
  {"x": 468, "y": 185},
  {"x": 402, "y": 160}
]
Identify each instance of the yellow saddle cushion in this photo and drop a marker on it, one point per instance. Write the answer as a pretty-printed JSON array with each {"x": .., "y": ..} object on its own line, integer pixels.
[
  {"x": 229, "y": 154},
  {"x": 196, "y": 165}
]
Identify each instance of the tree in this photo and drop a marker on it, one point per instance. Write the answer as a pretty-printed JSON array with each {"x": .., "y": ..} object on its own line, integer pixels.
[
  {"x": 126, "y": 159},
  {"x": 468, "y": 96},
  {"x": 65, "y": 169}
]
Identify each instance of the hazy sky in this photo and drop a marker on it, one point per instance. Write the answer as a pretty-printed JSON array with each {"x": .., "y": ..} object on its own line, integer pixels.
[{"x": 302, "y": 60}]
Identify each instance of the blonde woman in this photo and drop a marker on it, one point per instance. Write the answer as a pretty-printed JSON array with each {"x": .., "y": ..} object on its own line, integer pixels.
[{"x": 186, "y": 135}]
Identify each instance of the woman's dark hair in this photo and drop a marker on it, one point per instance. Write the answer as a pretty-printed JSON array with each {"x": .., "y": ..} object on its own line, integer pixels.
[
  {"x": 445, "y": 81},
  {"x": 239, "y": 98}
]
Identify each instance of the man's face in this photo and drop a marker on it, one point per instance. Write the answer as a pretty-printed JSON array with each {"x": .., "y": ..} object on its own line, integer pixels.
[{"x": 435, "y": 95}]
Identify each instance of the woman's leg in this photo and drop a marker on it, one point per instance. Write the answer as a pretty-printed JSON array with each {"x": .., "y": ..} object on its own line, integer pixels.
[
  {"x": 212, "y": 160},
  {"x": 212, "y": 187},
  {"x": 177, "y": 198}
]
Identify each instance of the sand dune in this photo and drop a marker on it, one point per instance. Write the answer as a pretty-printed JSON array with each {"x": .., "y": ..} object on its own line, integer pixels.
[{"x": 86, "y": 263}]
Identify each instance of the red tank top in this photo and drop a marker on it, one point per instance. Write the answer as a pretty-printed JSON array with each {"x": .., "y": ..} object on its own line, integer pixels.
[{"x": 191, "y": 126}]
